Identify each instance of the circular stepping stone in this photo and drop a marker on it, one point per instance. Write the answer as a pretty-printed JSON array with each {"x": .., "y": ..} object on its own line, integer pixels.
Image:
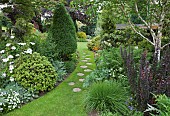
[
  {"x": 87, "y": 58},
  {"x": 83, "y": 66},
  {"x": 84, "y": 60},
  {"x": 87, "y": 55},
  {"x": 87, "y": 70},
  {"x": 71, "y": 83},
  {"x": 88, "y": 63},
  {"x": 81, "y": 80},
  {"x": 80, "y": 74},
  {"x": 76, "y": 90}
]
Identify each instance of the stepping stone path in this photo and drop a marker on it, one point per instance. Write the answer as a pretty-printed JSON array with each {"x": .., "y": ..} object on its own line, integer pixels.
[
  {"x": 81, "y": 80},
  {"x": 80, "y": 74},
  {"x": 84, "y": 60},
  {"x": 76, "y": 90},
  {"x": 71, "y": 83},
  {"x": 83, "y": 66},
  {"x": 88, "y": 63},
  {"x": 87, "y": 70},
  {"x": 87, "y": 58}
]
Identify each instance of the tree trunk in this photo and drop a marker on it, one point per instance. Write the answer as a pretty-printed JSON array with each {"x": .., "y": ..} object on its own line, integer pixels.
[
  {"x": 0, "y": 30},
  {"x": 158, "y": 47}
]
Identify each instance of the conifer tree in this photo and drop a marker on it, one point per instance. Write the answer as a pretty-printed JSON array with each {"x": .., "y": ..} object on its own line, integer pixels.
[{"x": 63, "y": 32}]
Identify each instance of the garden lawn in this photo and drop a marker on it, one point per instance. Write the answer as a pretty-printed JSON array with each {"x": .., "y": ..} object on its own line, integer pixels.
[{"x": 62, "y": 101}]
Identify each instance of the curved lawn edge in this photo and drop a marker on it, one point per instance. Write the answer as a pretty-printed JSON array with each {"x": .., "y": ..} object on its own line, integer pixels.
[{"x": 62, "y": 101}]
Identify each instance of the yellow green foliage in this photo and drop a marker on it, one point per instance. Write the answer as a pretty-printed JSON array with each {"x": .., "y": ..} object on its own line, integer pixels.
[
  {"x": 81, "y": 34},
  {"x": 94, "y": 44}
]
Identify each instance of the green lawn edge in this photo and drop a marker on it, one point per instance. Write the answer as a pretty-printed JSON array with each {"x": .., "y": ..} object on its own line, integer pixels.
[{"x": 61, "y": 101}]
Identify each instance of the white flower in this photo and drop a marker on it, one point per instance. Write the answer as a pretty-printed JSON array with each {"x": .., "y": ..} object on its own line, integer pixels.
[
  {"x": 11, "y": 67},
  {"x": 8, "y": 44},
  {"x": 29, "y": 51},
  {"x": 22, "y": 44},
  {"x": 11, "y": 71},
  {"x": 2, "y": 51},
  {"x": 11, "y": 79},
  {"x": 12, "y": 37},
  {"x": 0, "y": 103},
  {"x": 10, "y": 56},
  {"x": 1, "y": 109},
  {"x": 136, "y": 47},
  {"x": 11, "y": 62},
  {"x": 17, "y": 55},
  {"x": 32, "y": 43},
  {"x": 5, "y": 59},
  {"x": 13, "y": 47},
  {"x": 4, "y": 74}
]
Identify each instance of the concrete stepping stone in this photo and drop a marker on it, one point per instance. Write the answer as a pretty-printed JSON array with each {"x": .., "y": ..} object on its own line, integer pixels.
[
  {"x": 87, "y": 70},
  {"x": 87, "y": 58},
  {"x": 88, "y": 63},
  {"x": 87, "y": 55},
  {"x": 76, "y": 90},
  {"x": 81, "y": 80},
  {"x": 80, "y": 74},
  {"x": 83, "y": 66},
  {"x": 71, "y": 83},
  {"x": 84, "y": 60}
]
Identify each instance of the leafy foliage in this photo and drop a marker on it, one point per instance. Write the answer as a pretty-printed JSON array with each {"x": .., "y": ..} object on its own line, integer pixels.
[
  {"x": 81, "y": 35},
  {"x": 13, "y": 96},
  {"x": 35, "y": 72},
  {"x": 94, "y": 43},
  {"x": 162, "y": 106}
]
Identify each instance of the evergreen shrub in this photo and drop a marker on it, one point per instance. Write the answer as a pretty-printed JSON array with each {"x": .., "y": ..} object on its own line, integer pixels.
[
  {"x": 63, "y": 32},
  {"x": 35, "y": 72}
]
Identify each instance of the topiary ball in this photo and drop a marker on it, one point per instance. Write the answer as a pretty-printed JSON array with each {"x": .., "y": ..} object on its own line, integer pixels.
[{"x": 35, "y": 72}]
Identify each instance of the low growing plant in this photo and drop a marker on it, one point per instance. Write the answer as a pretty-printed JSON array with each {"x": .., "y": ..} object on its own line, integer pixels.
[
  {"x": 162, "y": 106},
  {"x": 106, "y": 97}
]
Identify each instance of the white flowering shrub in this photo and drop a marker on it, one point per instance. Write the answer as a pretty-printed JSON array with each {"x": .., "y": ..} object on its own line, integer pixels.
[
  {"x": 7, "y": 56},
  {"x": 9, "y": 100},
  {"x": 13, "y": 96}
]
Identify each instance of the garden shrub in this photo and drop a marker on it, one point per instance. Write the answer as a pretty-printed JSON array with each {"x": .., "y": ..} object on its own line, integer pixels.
[
  {"x": 81, "y": 34},
  {"x": 111, "y": 59},
  {"x": 13, "y": 96},
  {"x": 150, "y": 77},
  {"x": 63, "y": 32},
  {"x": 106, "y": 97},
  {"x": 22, "y": 28},
  {"x": 109, "y": 66},
  {"x": 35, "y": 72},
  {"x": 94, "y": 44}
]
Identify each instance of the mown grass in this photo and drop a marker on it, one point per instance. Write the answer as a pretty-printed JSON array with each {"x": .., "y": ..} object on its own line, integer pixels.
[{"x": 61, "y": 101}]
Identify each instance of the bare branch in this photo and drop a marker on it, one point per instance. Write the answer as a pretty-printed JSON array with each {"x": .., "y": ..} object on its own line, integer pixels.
[
  {"x": 149, "y": 26},
  {"x": 139, "y": 33},
  {"x": 165, "y": 45},
  {"x": 132, "y": 25}
]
